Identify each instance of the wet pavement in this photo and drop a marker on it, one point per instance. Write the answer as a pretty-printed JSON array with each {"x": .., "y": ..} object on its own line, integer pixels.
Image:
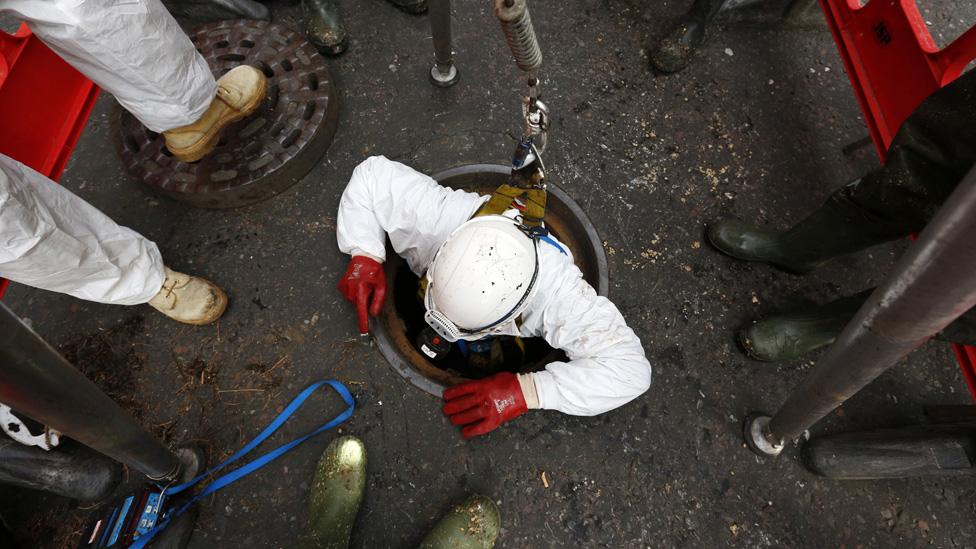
[{"x": 763, "y": 126}]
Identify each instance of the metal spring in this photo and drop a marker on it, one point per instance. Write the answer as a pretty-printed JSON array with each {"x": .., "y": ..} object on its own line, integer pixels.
[{"x": 517, "y": 26}]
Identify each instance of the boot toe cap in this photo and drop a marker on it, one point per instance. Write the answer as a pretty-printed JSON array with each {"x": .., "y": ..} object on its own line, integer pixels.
[
  {"x": 674, "y": 51},
  {"x": 670, "y": 57},
  {"x": 727, "y": 235},
  {"x": 780, "y": 339},
  {"x": 330, "y": 47},
  {"x": 758, "y": 344},
  {"x": 243, "y": 77}
]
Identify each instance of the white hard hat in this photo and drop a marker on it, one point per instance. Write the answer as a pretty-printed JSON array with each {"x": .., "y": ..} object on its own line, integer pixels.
[{"x": 481, "y": 278}]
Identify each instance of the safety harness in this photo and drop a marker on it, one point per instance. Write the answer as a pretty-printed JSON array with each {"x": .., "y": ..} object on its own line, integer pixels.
[
  {"x": 529, "y": 200},
  {"x": 487, "y": 354},
  {"x": 531, "y": 203}
]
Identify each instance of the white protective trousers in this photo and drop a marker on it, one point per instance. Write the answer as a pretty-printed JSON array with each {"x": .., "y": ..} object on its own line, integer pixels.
[
  {"x": 606, "y": 368},
  {"x": 133, "y": 49},
  {"x": 52, "y": 239}
]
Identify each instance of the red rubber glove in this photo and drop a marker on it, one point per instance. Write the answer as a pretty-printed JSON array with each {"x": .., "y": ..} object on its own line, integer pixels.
[
  {"x": 482, "y": 405},
  {"x": 364, "y": 277}
]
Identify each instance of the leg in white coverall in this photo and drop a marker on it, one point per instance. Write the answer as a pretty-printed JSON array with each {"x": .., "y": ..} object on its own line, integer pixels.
[
  {"x": 52, "y": 239},
  {"x": 133, "y": 49}
]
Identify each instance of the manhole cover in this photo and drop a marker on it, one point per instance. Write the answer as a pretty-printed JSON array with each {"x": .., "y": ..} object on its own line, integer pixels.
[
  {"x": 399, "y": 323},
  {"x": 263, "y": 154}
]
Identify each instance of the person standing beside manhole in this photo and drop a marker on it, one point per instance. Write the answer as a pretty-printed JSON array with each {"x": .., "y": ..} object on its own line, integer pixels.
[
  {"x": 53, "y": 239},
  {"x": 489, "y": 268},
  {"x": 934, "y": 149}
]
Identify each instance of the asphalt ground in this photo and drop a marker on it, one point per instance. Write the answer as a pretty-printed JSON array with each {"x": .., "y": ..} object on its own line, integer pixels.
[{"x": 762, "y": 126}]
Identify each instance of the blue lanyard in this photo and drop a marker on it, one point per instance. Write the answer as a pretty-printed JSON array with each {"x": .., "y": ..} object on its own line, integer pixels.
[
  {"x": 257, "y": 463},
  {"x": 549, "y": 240}
]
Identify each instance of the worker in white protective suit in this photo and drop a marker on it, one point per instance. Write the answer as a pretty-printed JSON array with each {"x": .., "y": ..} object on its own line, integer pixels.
[
  {"x": 488, "y": 275},
  {"x": 134, "y": 49}
]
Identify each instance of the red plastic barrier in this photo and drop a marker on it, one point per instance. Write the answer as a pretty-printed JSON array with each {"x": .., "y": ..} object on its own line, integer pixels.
[
  {"x": 892, "y": 60},
  {"x": 894, "y": 64},
  {"x": 44, "y": 104}
]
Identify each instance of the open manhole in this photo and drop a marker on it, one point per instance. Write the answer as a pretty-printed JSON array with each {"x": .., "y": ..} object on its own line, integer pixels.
[{"x": 398, "y": 325}]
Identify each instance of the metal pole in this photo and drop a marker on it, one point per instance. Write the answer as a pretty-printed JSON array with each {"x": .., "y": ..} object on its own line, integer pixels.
[
  {"x": 36, "y": 381},
  {"x": 443, "y": 74},
  {"x": 931, "y": 285}
]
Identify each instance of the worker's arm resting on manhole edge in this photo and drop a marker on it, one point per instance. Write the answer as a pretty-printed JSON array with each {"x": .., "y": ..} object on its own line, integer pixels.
[
  {"x": 387, "y": 198},
  {"x": 384, "y": 197},
  {"x": 607, "y": 367}
]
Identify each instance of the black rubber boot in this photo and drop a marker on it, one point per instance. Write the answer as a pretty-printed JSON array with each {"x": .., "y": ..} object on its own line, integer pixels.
[
  {"x": 6, "y": 538},
  {"x": 788, "y": 336},
  {"x": 323, "y": 26},
  {"x": 413, "y": 7},
  {"x": 177, "y": 535},
  {"x": 215, "y": 10},
  {"x": 674, "y": 51},
  {"x": 934, "y": 148},
  {"x": 71, "y": 470},
  {"x": 923, "y": 450}
]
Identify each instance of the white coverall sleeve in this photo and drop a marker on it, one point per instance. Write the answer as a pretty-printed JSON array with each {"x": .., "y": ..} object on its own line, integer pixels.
[
  {"x": 384, "y": 197},
  {"x": 52, "y": 239},
  {"x": 607, "y": 367},
  {"x": 133, "y": 49}
]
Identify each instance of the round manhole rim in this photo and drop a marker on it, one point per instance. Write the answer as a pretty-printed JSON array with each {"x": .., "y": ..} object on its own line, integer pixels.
[{"x": 385, "y": 340}]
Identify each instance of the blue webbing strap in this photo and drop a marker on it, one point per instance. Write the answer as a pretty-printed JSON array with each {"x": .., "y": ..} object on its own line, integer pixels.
[
  {"x": 255, "y": 464},
  {"x": 549, "y": 240}
]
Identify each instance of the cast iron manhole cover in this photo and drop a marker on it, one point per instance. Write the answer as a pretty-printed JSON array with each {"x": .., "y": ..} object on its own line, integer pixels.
[{"x": 263, "y": 154}]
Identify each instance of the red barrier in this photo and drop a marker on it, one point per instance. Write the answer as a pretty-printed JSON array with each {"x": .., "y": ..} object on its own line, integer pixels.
[
  {"x": 44, "y": 104},
  {"x": 894, "y": 64},
  {"x": 892, "y": 60}
]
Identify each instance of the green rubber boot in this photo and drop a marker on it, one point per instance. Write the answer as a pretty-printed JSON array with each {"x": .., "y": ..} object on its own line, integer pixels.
[
  {"x": 750, "y": 243},
  {"x": 472, "y": 525},
  {"x": 789, "y": 336},
  {"x": 675, "y": 50},
  {"x": 841, "y": 226},
  {"x": 337, "y": 490},
  {"x": 323, "y": 26}
]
